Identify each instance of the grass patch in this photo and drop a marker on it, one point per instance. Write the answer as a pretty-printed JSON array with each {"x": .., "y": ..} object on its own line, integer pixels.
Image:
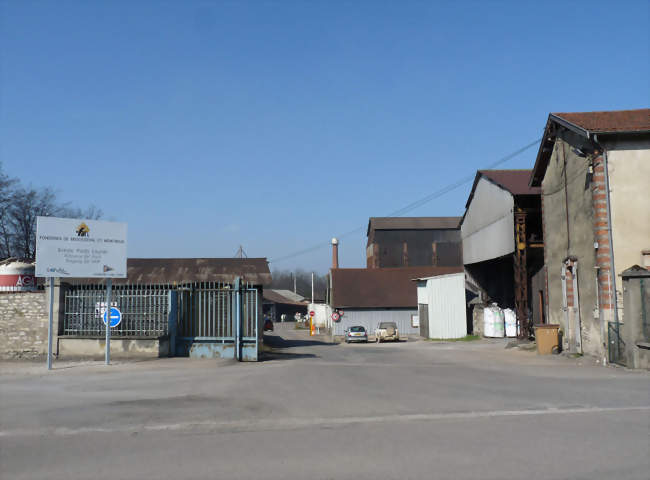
[{"x": 466, "y": 338}]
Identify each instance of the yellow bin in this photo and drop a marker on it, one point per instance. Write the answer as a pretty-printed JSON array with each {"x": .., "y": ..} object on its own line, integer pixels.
[{"x": 547, "y": 337}]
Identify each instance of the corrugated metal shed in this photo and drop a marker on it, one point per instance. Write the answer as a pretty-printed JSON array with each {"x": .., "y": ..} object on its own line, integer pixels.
[
  {"x": 444, "y": 297},
  {"x": 286, "y": 297},
  {"x": 380, "y": 287},
  {"x": 157, "y": 271},
  {"x": 371, "y": 317}
]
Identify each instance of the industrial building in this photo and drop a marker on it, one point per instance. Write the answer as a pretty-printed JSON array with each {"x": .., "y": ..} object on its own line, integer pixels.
[
  {"x": 413, "y": 242},
  {"x": 368, "y": 296},
  {"x": 503, "y": 244}
]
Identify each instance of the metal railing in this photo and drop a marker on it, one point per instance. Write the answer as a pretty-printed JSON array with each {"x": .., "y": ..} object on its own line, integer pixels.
[{"x": 145, "y": 310}]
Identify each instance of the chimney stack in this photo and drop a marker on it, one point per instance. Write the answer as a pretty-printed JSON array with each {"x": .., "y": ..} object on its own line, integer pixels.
[{"x": 335, "y": 253}]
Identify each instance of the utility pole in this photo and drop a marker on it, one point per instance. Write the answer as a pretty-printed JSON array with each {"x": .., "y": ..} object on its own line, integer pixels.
[
  {"x": 294, "y": 283},
  {"x": 312, "y": 288}
]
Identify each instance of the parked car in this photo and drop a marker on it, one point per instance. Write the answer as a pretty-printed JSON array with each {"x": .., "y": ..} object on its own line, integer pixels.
[
  {"x": 356, "y": 334},
  {"x": 268, "y": 325},
  {"x": 386, "y": 331}
]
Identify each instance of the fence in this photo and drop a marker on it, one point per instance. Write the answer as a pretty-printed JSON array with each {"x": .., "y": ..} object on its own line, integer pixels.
[
  {"x": 206, "y": 318},
  {"x": 145, "y": 310}
]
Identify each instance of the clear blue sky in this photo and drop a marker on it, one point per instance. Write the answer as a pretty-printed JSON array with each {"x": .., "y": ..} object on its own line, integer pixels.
[{"x": 277, "y": 125}]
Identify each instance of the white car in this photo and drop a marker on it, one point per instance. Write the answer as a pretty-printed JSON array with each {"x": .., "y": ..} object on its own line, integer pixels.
[{"x": 386, "y": 331}]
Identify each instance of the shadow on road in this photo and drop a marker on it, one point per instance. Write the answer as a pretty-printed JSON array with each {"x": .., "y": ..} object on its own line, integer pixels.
[{"x": 278, "y": 345}]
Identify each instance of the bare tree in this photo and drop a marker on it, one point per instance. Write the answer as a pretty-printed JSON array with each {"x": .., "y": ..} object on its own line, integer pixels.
[
  {"x": 27, "y": 204},
  {"x": 6, "y": 197},
  {"x": 19, "y": 208}
]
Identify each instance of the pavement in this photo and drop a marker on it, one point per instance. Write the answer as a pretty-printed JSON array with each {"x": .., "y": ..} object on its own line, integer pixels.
[{"x": 312, "y": 409}]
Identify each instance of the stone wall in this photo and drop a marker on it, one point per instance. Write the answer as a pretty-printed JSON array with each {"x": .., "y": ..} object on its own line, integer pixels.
[{"x": 23, "y": 324}]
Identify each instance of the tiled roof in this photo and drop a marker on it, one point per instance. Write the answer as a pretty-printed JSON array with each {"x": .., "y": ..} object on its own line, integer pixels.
[
  {"x": 515, "y": 181},
  {"x": 603, "y": 124},
  {"x": 617, "y": 121}
]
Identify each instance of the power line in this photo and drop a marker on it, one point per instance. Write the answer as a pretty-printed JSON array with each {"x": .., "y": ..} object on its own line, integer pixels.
[{"x": 416, "y": 204}]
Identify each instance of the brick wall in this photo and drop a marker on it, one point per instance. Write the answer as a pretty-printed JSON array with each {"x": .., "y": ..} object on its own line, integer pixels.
[
  {"x": 23, "y": 324},
  {"x": 603, "y": 252}
]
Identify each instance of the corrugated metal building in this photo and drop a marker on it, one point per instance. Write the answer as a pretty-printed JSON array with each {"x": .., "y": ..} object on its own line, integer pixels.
[
  {"x": 503, "y": 240},
  {"x": 441, "y": 306},
  {"x": 413, "y": 242},
  {"x": 370, "y": 296},
  {"x": 283, "y": 302}
]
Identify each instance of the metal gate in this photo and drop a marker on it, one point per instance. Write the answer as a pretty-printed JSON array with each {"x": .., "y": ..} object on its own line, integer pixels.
[
  {"x": 616, "y": 343},
  {"x": 217, "y": 320},
  {"x": 206, "y": 319},
  {"x": 145, "y": 311}
]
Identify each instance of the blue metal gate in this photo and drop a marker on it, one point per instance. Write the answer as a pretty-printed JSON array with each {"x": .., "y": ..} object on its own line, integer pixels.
[
  {"x": 217, "y": 320},
  {"x": 207, "y": 319}
]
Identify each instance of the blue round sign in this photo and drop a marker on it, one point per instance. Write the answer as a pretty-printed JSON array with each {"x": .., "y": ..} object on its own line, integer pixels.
[{"x": 116, "y": 317}]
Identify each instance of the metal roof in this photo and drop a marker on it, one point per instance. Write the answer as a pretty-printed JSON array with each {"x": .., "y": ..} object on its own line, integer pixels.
[
  {"x": 286, "y": 297},
  {"x": 157, "y": 271},
  {"x": 413, "y": 223},
  {"x": 380, "y": 287}
]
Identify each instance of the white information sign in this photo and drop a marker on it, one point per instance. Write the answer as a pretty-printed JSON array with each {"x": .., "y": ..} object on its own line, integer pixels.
[{"x": 67, "y": 247}]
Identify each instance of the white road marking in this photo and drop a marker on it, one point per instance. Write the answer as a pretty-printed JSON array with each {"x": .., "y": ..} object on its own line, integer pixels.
[{"x": 270, "y": 424}]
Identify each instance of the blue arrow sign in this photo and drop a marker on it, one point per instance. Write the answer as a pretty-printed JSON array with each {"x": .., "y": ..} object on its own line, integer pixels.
[{"x": 116, "y": 317}]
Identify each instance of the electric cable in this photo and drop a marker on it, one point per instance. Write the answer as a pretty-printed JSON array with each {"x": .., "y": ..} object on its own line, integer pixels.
[{"x": 415, "y": 204}]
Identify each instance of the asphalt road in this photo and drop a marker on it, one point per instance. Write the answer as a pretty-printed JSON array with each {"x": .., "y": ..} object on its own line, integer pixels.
[{"x": 413, "y": 410}]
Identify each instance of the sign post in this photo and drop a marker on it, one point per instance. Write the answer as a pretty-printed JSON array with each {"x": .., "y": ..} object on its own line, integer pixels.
[
  {"x": 49, "y": 325},
  {"x": 74, "y": 248},
  {"x": 108, "y": 313}
]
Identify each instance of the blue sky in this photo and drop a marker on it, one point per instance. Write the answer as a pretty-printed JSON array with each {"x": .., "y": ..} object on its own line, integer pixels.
[{"x": 276, "y": 125}]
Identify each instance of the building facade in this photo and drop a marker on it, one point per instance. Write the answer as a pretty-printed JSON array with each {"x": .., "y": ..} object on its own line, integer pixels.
[
  {"x": 593, "y": 169},
  {"x": 503, "y": 243}
]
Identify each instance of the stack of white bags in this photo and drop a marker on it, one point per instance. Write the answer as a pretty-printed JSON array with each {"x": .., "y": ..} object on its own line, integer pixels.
[{"x": 498, "y": 323}]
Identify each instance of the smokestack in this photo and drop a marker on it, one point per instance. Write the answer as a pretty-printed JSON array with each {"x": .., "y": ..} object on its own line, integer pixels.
[{"x": 335, "y": 253}]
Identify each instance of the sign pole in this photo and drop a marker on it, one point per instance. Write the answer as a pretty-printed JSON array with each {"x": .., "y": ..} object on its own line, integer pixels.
[
  {"x": 109, "y": 284},
  {"x": 49, "y": 325}
]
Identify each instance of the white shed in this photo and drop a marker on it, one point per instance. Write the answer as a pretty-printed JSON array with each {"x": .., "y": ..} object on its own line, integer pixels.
[{"x": 441, "y": 306}]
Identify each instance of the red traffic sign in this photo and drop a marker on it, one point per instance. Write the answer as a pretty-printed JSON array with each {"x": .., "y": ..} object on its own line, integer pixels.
[
  {"x": 336, "y": 317},
  {"x": 312, "y": 313},
  {"x": 340, "y": 312}
]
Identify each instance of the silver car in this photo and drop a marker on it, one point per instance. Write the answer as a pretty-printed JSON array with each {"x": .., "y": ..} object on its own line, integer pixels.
[{"x": 356, "y": 334}]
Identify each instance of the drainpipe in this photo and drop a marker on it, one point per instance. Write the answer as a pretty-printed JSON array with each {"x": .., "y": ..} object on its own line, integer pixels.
[{"x": 610, "y": 235}]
